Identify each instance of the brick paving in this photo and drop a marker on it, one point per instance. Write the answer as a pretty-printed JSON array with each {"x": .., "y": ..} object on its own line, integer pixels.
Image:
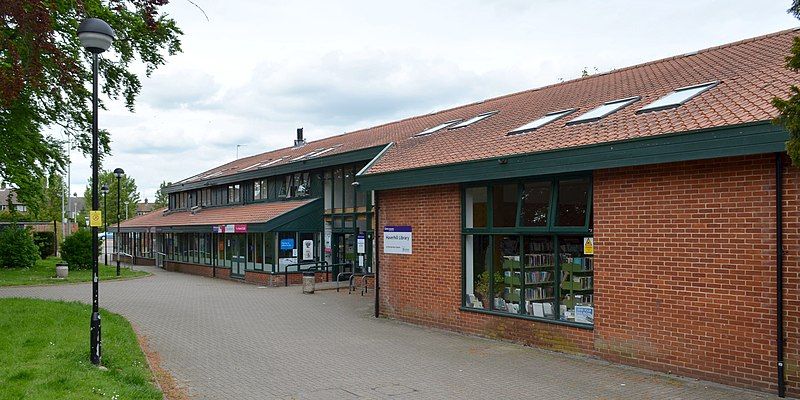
[{"x": 227, "y": 340}]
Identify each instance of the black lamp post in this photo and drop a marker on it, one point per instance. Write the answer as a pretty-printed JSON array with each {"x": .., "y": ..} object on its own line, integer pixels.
[
  {"x": 96, "y": 37},
  {"x": 119, "y": 173},
  {"x": 104, "y": 189}
]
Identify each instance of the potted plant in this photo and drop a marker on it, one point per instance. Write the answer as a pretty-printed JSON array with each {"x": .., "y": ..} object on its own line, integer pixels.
[{"x": 482, "y": 286}]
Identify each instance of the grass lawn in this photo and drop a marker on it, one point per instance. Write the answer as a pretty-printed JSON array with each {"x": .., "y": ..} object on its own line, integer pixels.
[
  {"x": 44, "y": 354},
  {"x": 45, "y": 273}
]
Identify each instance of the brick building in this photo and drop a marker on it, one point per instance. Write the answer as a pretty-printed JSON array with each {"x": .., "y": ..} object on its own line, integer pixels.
[{"x": 646, "y": 216}]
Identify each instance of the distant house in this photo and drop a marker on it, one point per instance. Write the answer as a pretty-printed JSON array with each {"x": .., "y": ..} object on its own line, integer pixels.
[
  {"x": 75, "y": 206},
  {"x": 144, "y": 208},
  {"x": 5, "y": 194}
]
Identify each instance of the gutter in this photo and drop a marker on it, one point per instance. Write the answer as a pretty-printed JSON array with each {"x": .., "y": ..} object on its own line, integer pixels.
[
  {"x": 779, "y": 268},
  {"x": 377, "y": 252}
]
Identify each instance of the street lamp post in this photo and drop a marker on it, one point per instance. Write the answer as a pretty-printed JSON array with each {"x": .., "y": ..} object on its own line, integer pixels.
[
  {"x": 104, "y": 189},
  {"x": 96, "y": 37},
  {"x": 119, "y": 173}
]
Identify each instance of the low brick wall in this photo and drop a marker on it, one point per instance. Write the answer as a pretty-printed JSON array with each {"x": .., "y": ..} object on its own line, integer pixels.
[
  {"x": 194, "y": 269},
  {"x": 130, "y": 260}
]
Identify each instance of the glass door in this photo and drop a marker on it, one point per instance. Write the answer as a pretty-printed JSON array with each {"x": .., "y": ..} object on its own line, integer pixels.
[
  {"x": 343, "y": 252},
  {"x": 237, "y": 246}
]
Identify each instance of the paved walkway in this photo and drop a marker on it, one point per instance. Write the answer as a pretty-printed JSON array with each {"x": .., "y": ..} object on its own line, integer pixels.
[{"x": 227, "y": 340}]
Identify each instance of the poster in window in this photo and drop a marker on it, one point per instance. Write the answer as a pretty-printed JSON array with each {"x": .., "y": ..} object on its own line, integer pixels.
[
  {"x": 588, "y": 246},
  {"x": 308, "y": 250}
]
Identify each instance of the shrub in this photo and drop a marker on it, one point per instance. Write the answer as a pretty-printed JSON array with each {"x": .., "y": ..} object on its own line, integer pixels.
[
  {"x": 17, "y": 249},
  {"x": 77, "y": 249},
  {"x": 45, "y": 241}
]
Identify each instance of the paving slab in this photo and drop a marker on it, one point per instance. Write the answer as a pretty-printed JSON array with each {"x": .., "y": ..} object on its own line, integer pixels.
[{"x": 228, "y": 340}]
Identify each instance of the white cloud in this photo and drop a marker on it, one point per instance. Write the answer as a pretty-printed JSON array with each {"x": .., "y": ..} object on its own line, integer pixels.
[{"x": 259, "y": 69}]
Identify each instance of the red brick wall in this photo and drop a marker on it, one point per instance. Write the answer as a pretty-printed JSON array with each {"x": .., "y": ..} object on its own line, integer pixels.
[
  {"x": 684, "y": 270},
  {"x": 425, "y": 287},
  {"x": 188, "y": 268}
]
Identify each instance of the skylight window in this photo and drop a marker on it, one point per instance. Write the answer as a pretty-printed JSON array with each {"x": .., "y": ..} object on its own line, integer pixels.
[
  {"x": 604, "y": 110},
  {"x": 473, "y": 120},
  {"x": 437, "y": 127},
  {"x": 678, "y": 97},
  {"x": 317, "y": 154},
  {"x": 306, "y": 155},
  {"x": 538, "y": 123}
]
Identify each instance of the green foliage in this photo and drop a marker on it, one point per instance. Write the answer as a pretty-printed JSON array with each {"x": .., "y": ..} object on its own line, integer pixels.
[
  {"x": 44, "y": 76},
  {"x": 129, "y": 196},
  {"x": 45, "y": 241},
  {"x": 17, "y": 249},
  {"x": 482, "y": 285},
  {"x": 162, "y": 199},
  {"x": 77, "y": 249},
  {"x": 789, "y": 109}
]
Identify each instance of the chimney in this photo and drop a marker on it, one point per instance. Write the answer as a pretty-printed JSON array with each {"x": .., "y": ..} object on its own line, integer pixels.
[{"x": 299, "y": 141}]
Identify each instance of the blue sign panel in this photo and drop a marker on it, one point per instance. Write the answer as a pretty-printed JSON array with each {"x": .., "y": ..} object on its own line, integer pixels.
[{"x": 287, "y": 244}]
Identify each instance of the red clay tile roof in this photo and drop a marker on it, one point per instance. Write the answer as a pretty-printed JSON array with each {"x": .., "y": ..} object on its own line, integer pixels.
[
  {"x": 751, "y": 73},
  {"x": 239, "y": 214}
]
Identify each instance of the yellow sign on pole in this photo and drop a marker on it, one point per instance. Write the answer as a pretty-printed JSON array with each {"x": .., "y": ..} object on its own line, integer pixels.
[
  {"x": 588, "y": 246},
  {"x": 95, "y": 218}
]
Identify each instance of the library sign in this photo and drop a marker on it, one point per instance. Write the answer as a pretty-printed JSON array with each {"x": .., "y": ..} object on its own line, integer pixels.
[{"x": 397, "y": 239}]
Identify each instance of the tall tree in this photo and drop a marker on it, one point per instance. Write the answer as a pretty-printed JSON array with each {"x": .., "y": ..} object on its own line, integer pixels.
[
  {"x": 129, "y": 196},
  {"x": 789, "y": 116},
  {"x": 49, "y": 209},
  {"x": 44, "y": 73},
  {"x": 162, "y": 199}
]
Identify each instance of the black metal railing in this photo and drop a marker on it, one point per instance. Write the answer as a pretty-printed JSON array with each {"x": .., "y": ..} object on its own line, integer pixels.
[{"x": 312, "y": 266}]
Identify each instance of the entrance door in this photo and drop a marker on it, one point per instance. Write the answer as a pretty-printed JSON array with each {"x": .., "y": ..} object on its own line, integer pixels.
[
  {"x": 343, "y": 252},
  {"x": 238, "y": 249}
]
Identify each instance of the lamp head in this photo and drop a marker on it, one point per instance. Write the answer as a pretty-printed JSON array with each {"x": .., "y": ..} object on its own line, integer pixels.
[
  {"x": 95, "y": 35},
  {"x": 104, "y": 189},
  {"x": 119, "y": 173}
]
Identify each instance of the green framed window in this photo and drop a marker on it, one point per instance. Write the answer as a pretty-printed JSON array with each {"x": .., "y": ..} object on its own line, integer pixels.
[{"x": 527, "y": 249}]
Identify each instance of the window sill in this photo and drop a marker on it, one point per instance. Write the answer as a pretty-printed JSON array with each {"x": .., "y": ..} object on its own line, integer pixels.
[{"x": 528, "y": 318}]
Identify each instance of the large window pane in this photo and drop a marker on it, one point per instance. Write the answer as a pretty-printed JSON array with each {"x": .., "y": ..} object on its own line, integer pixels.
[
  {"x": 478, "y": 259},
  {"x": 328, "y": 191},
  {"x": 535, "y": 203},
  {"x": 539, "y": 276},
  {"x": 349, "y": 190},
  {"x": 505, "y": 205},
  {"x": 269, "y": 251},
  {"x": 577, "y": 281},
  {"x": 573, "y": 195},
  {"x": 287, "y": 251},
  {"x": 338, "y": 189},
  {"x": 476, "y": 207},
  {"x": 507, "y": 261}
]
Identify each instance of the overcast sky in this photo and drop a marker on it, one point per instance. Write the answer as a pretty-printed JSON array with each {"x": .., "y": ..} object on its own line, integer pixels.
[{"x": 257, "y": 70}]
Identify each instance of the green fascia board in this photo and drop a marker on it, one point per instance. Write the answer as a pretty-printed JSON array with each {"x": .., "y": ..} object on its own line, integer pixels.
[
  {"x": 298, "y": 218},
  {"x": 738, "y": 140},
  {"x": 365, "y": 154}
]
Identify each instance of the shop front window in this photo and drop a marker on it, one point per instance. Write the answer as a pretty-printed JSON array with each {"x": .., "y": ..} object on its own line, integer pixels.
[
  {"x": 475, "y": 204},
  {"x": 573, "y": 198},
  {"x": 535, "y": 260},
  {"x": 287, "y": 251},
  {"x": 478, "y": 259},
  {"x": 504, "y": 208}
]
